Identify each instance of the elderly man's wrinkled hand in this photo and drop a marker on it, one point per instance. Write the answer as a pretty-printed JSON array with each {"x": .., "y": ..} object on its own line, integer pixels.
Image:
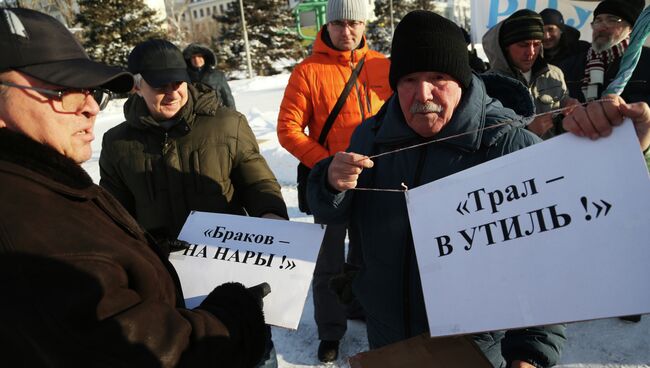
[
  {"x": 640, "y": 114},
  {"x": 345, "y": 168},
  {"x": 598, "y": 119},
  {"x": 595, "y": 120}
]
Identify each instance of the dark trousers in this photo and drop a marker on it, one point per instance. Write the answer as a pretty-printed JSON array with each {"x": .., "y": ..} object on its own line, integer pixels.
[{"x": 330, "y": 315}]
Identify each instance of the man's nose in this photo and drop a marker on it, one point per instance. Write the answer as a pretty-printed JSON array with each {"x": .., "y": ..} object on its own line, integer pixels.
[
  {"x": 423, "y": 91},
  {"x": 530, "y": 50},
  {"x": 90, "y": 107}
]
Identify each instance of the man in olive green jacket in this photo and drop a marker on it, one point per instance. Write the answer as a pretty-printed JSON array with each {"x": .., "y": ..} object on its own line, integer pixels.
[{"x": 179, "y": 151}]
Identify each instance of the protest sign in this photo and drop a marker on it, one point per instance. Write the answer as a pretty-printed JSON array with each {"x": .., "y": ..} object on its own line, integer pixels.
[
  {"x": 556, "y": 232},
  {"x": 487, "y": 13},
  {"x": 250, "y": 250}
]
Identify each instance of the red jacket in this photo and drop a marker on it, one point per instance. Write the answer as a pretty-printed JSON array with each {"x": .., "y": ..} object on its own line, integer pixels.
[{"x": 313, "y": 89}]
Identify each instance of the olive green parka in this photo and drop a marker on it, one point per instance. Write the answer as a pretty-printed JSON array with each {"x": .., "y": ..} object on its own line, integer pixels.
[{"x": 208, "y": 160}]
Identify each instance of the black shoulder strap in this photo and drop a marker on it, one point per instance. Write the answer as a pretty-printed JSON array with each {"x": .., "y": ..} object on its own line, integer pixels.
[{"x": 339, "y": 103}]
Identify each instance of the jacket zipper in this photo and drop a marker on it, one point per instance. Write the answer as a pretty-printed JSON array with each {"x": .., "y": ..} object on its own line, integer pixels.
[
  {"x": 165, "y": 144},
  {"x": 365, "y": 87}
]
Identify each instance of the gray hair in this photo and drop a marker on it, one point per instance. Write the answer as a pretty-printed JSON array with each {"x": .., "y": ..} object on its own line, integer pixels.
[{"x": 137, "y": 80}]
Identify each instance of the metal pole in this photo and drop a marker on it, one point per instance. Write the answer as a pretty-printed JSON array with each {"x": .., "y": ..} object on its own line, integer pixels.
[
  {"x": 243, "y": 29},
  {"x": 392, "y": 26}
]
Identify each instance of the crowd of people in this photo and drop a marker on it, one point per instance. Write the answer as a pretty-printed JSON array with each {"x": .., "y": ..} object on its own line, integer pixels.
[{"x": 85, "y": 269}]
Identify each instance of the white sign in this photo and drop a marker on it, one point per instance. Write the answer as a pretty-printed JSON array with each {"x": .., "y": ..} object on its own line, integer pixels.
[
  {"x": 250, "y": 250},
  {"x": 487, "y": 13},
  {"x": 556, "y": 232}
]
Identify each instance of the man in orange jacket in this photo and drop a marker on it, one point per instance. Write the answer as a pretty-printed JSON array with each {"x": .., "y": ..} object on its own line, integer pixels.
[{"x": 314, "y": 87}]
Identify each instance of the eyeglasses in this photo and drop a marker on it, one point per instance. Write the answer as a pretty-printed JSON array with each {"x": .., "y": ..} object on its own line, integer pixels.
[
  {"x": 72, "y": 99},
  {"x": 608, "y": 21},
  {"x": 340, "y": 24}
]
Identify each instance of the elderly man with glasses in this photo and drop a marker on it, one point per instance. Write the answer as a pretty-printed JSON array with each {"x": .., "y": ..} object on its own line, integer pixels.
[
  {"x": 588, "y": 73},
  {"x": 310, "y": 103},
  {"x": 82, "y": 283}
]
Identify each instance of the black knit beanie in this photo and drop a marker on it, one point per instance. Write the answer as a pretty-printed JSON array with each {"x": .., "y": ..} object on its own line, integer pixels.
[
  {"x": 629, "y": 11},
  {"x": 427, "y": 42},
  {"x": 552, "y": 16},
  {"x": 521, "y": 25}
]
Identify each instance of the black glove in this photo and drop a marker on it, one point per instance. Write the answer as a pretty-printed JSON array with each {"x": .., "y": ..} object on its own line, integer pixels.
[
  {"x": 259, "y": 292},
  {"x": 341, "y": 284},
  {"x": 172, "y": 245},
  {"x": 238, "y": 308}
]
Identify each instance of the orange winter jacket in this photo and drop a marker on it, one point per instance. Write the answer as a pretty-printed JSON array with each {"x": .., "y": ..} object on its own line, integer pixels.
[{"x": 313, "y": 89}]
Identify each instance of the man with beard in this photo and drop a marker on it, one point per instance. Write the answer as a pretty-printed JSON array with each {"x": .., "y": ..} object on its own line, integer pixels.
[{"x": 588, "y": 73}]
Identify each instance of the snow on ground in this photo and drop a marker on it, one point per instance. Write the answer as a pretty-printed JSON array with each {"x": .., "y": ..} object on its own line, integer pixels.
[{"x": 608, "y": 343}]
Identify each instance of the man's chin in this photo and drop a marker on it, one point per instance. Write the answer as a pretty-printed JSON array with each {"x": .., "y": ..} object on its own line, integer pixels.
[{"x": 602, "y": 43}]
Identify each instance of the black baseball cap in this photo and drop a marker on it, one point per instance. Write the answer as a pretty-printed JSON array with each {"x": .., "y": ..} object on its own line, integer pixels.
[
  {"x": 40, "y": 46},
  {"x": 159, "y": 62}
]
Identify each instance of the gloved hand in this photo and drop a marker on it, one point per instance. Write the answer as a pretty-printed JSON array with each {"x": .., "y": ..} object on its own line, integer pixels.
[
  {"x": 238, "y": 308},
  {"x": 341, "y": 284},
  {"x": 168, "y": 245},
  {"x": 259, "y": 292}
]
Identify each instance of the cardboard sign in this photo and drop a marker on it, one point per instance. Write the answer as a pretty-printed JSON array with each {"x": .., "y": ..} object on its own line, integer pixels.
[
  {"x": 487, "y": 13},
  {"x": 250, "y": 250},
  {"x": 556, "y": 232},
  {"x": 424, "y": 352}
]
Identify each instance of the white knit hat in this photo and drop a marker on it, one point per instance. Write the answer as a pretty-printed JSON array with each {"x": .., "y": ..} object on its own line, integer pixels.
[{"x": 347, "y": 10}]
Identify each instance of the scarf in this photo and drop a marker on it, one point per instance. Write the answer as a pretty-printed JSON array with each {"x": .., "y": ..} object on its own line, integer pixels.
[{"x": 597, "y": 62}]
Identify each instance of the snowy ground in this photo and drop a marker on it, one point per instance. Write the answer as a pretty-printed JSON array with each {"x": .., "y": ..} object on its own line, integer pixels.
[{"x": 607, "y": 343}]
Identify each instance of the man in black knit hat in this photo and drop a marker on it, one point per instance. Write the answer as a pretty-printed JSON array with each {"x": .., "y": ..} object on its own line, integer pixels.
[
  {"x": 514, "y": 47},
  {"x": 560, "y": 39},
  {"x": 436, "y": 97},
  {"x": 588, "y": 73}
]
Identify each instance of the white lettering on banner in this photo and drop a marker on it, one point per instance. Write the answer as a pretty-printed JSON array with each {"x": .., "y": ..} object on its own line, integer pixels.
[
  {"x": 487, "y": 13},
  {"x": 249, "y": 250},
  {"x": 532, "y": 228}
]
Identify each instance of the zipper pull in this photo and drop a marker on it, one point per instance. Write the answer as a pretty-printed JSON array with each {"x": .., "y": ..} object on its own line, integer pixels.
[{"x": 166, "y": 141}]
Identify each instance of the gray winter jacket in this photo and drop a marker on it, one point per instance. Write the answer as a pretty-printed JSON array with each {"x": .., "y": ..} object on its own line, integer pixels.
[
  {"x": 388, "y": 286},
  {"x": 547, "y": 85}
]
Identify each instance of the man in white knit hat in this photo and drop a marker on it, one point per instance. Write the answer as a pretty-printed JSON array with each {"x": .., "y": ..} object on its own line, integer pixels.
[{"x": 309, "y": 102}]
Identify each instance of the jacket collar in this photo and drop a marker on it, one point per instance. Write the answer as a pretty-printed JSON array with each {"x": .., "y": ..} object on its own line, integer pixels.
[
  {"x": 322, "y": 46},
  {"x": 464, "y": 127},
  {"x": 64, "y": 174}
]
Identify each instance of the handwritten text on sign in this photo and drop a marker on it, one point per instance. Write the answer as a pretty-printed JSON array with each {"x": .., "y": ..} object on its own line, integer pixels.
[
  {"x": 556, "y": 232},
  {"x": 249, "y": 250}
]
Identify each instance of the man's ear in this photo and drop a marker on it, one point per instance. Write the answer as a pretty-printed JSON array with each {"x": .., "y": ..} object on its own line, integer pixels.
[{"x": 137, "y": 91}]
